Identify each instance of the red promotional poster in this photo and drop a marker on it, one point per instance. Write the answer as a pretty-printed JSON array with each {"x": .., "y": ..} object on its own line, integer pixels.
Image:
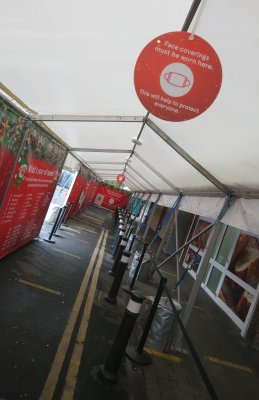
[
  {"x": 31, "y": 189},
  {"x": 177, "y": 76},
  {"x": 11, "y": 135},
  {"x": 109, "y": 198},
  {"x": 80, "y": 191}
]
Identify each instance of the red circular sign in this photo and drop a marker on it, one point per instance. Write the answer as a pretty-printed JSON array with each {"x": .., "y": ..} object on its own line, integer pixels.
[{"x": 177, "y": 76}]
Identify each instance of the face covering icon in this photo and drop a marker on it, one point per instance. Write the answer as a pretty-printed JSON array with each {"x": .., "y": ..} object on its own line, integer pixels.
[{"x": 176, "y": 79}]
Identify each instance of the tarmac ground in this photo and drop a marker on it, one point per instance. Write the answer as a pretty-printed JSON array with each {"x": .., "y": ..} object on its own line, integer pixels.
[{"x": 57, "y": 328}]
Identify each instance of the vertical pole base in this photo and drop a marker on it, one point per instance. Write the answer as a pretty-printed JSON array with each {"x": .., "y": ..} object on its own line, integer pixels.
[
  {"x": 49, "y": 241},
  {"x": 141, "y": 358},
  {"x": 110, "y": 300},
  {"x": 108, "y": 376},
  {"x": 127, "y": 289}
]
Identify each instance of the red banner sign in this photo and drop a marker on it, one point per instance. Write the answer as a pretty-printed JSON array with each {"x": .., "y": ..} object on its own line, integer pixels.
[
  {"x": 108, "y": 198},
  {"x": 31, "y": 188},
  {"x": 177, "y": 76}
]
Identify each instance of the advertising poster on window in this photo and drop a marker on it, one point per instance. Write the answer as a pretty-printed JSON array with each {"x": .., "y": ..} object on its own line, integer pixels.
[
  {"x": 245, "y": 266},
  {"x": 32, "y": 185}
]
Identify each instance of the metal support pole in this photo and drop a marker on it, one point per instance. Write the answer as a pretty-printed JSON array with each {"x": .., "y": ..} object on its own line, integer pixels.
[
  {"x": 129, "y": 288},
  {"x": 166, "y": 232},
  {"x": 121, "y": 249},
  {"x": 199, "y": 277},
  {"x": 112, "y": 295},
  {"x": 138, "y": 355},
  {"x": 149, "y": 221},
  {"x": 177, "y": 255},
  {"x": 132, "y": 242},
  {"x": 110, "y": 369},
  {"x": 53, "y": 228}
]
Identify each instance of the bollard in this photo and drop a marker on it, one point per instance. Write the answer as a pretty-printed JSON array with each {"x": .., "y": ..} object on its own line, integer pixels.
[
  {"x": 119, "y": 239},
  {"x": 54, "y": 228},
  {"x": 111, "y": 297},
  {"x": 129, "y": 288},
  {"x": 110, "y": 369},
  {"x": 121, "y": 249},
  {"x": 129, "y": 231},
  {"x": 117, "y": 231},
  {"x": 137, "y": 354}
]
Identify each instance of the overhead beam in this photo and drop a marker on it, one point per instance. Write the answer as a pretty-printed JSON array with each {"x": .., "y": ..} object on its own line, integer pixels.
[
  {"x": 107, "y": 169},
  {"x": 90, "y": 150},
  {"x": 106, "y": 162},
  {"x": 132, "y": 178},
  {"x": 85, "y": 118},
  {"x": 142, "y": 177},
  {"x": 187, "y": 157},
  {"x": 134, "y": 185},
  {"x": 149, "y": 166}
]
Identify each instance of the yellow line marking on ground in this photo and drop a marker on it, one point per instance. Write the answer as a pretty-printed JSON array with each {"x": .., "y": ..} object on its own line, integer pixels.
[
  {"x": 69, "y": 388},
  {"x": 65, "y": 252},
  {"x": 229, "y": 364},
  {"x": 169, "y": 357},
  {"x": 35, "y": 285},
  {"x": 52, "y": 379},
  {"x": 168, "y": 273}
]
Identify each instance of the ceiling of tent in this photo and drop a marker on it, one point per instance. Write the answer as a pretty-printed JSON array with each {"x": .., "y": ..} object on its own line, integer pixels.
[{"x": 77, "y": 59}]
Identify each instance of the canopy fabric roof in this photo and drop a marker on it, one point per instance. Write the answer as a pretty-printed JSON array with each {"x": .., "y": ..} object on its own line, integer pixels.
[{"x": 77, "y": 58}]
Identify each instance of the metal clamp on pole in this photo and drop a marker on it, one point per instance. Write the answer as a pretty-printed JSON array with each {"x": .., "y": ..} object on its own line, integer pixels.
[
  {"x": 111, "y": 298},
  {"x": 110, "y": 369},
  {"x": 137, "y": 354},
  {"x": 121, "y": 249},
  {"x": 129, "y": 288},
  {"x": 54, "y": 228}
]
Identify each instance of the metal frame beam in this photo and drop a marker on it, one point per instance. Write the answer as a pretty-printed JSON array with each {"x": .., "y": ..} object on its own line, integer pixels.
[
  {"x": 141, "y": 176},
  {"x": 177, "y": 190},
  {"x": 187, "y": 157},
  {"x": 136, "y": 187},
  {"x": 85, "y": 118},
  {"x": 90, "y": 150},
  {"x": 106, "y": 162},
  {"x": 139, "y": 183}
]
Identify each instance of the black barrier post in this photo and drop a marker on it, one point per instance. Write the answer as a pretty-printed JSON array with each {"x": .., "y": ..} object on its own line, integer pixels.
[
  {"x": 58, "y": 223},
  {"x": 116, "y": 235},
  {"x": 129, "y": 288},
  {"x": 137, "y": 354},
  {"x": 69, "y": 209},
  {"x": 64, "y": 216},
  {"x": 121, "y": 249},
  {"x": 118, "y": 242},
  {"x": 111, "y": 366},
  {"x": 111, "y": 297},
  {"x": 54, "y": 228}
]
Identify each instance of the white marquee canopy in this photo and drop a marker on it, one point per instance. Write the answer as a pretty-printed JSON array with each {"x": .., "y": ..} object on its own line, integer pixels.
[{"x": 72, "y": 64}]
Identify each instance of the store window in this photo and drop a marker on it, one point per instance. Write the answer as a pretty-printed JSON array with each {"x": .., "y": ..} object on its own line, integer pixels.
[{"x": 196, "y": 248}]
